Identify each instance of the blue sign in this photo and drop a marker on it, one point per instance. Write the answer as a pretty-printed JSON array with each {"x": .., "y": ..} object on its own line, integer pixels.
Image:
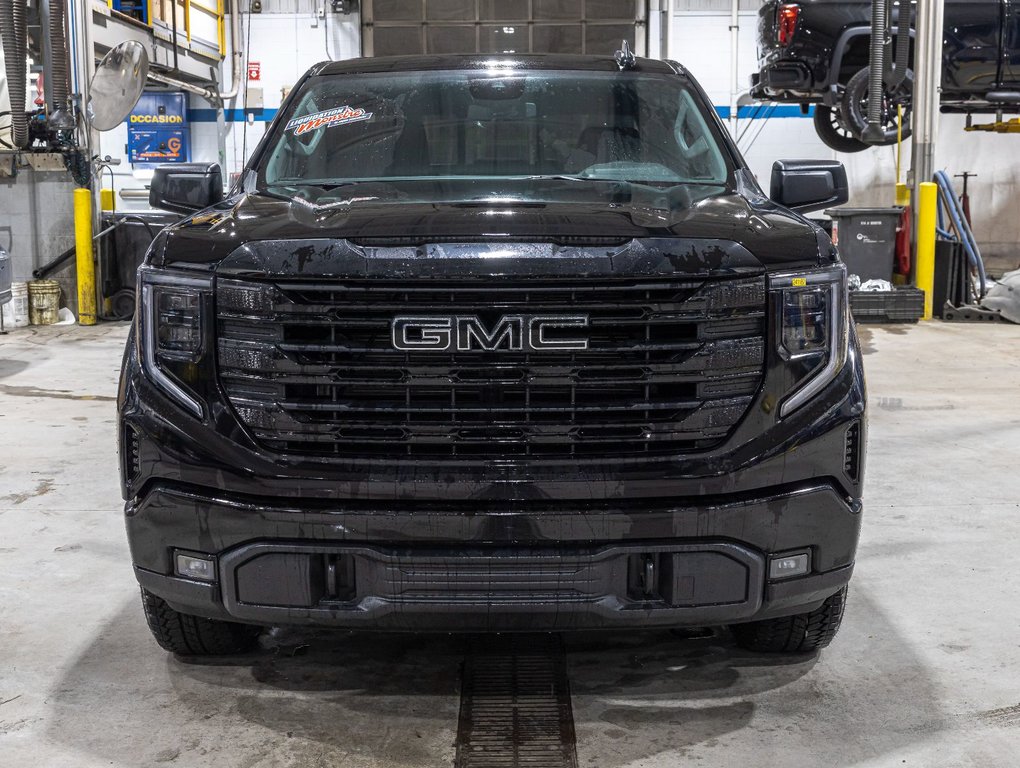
[{"x": 158, "y": 130}]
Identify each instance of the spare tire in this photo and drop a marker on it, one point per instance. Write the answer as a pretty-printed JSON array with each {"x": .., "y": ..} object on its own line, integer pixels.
[{"x": 854, "y": 107}]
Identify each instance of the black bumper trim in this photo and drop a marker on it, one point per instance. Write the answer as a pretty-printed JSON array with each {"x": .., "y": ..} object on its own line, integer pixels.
[
  {"x": 781, "y": 78},
  {"x": 780, "y": 599},
  {"x": 485, "y": 589}
]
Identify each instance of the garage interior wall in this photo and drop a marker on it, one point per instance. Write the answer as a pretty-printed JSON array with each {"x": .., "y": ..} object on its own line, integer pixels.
[
  {"x": 284, "y": 44},
  {"x": 287, "y": 43},
  {"x": 700, "y": 39}
]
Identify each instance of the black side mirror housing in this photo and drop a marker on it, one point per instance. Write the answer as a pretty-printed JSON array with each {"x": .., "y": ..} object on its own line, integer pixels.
[
  {"x": 186, "y": 187},
  {"x": 809, "y": 185}
]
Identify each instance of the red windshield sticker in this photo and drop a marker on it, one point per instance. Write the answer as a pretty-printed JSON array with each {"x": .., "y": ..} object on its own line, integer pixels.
[{"x": 338, "y": 116}]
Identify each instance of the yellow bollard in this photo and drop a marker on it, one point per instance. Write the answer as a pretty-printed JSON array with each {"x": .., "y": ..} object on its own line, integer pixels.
[
  {"x": 927, "y": 208},
  {"x": 83, "y": 257}
]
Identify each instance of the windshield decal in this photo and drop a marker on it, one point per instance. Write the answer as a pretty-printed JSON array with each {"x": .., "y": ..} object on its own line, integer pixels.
[{"x": 337, "y": 116}]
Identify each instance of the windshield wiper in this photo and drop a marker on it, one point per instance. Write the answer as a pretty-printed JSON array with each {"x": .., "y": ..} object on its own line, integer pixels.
[
  {"x": 299, "y": 182},
  {"x": 646, "y": 182}
]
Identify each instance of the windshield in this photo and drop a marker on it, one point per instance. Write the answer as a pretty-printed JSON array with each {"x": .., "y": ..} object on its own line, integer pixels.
[{"x": 484, "y": 127}]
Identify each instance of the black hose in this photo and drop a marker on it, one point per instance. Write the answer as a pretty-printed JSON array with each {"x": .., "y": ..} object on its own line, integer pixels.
[
  {"x": 143, "y": 222},
  {"x": 60, "y": 261},
  {"x": 876, "y": 71},
  {"x": 902, "y": 63},
  {"x": 13, "y": 34},
  {"x": 59, "y": 89}
]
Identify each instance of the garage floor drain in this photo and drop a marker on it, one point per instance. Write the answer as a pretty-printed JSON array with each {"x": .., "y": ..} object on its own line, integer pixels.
[{"x": 515, "y": 705}]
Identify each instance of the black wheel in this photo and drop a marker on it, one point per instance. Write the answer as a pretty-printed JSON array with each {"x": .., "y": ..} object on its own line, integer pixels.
[
  {"x": 794, "y": 634},
  {"x": 834, "y": 133},
  {"x": 854, "y": 107},
  {"x": 192, "y": 635}
]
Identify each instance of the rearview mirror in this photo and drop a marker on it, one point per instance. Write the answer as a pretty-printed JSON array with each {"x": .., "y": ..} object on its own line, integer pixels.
[
  {"x": 809, "y": 185},
  {"x": 186, "y": 187}
]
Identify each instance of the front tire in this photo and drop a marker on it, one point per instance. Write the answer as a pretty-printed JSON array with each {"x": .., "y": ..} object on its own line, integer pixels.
[
  {"x": 188, "y": 635},
  {"x": 833, "y": 131},
  {"x": 802, "y": 633}
]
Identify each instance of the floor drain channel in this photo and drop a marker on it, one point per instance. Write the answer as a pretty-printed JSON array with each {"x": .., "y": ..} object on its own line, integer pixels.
[{"x": 515, "y": 705}]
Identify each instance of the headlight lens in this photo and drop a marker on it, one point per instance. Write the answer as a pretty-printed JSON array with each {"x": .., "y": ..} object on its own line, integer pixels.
[
  {"x": 814, "y": 334},
  {"x": 171, "y": 332},
  {"x": 178, "y": 323}
]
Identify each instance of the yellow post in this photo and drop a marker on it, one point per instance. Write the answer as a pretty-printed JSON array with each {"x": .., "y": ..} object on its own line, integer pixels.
[
  {"x": 83, "y": 257},
  {"x": 927, "y": 211},
  {"x": 902, "y": 195}
]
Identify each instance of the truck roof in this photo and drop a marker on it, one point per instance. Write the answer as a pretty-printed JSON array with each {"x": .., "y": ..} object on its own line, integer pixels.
[{"x": 477, "y": 61}]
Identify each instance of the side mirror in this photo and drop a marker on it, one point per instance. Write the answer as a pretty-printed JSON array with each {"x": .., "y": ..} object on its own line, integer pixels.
[
  {"x": 186, "y": 187},
  {"x": 809, "y": 185}
]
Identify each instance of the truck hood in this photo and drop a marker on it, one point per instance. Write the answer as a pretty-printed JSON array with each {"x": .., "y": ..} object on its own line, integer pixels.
[{"x": 261, "y": 232}]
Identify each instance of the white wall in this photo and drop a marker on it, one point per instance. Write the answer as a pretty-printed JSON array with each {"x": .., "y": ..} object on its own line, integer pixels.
[
  {"x": 701, "y": 42},
  {"x": 285, "y": 44}
]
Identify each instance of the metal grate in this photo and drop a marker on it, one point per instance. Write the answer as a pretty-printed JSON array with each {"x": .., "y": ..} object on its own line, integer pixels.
[
  {"x": 671, "y": 367},
  {"x": 515, "y": 705},
  {"x": 499, "y": 26}
]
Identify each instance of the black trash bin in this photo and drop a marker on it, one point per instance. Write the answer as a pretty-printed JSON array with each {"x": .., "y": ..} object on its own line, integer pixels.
[{"x": 867, "y": 240}]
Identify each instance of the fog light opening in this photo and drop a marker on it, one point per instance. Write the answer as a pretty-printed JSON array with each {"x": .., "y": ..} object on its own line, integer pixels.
[
  {"x": 789, "y": 565},
  {"x": 197, "y": 567}
]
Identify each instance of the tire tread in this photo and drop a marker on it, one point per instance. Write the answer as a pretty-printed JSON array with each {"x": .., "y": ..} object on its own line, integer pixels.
[
  {"x": 800, "y": 633},
  {"x": 188, "y": 635}
]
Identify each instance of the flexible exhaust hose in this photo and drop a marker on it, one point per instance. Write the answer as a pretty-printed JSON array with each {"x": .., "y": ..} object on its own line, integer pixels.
[
  {"x": 876, "y": 69},
  {"x": 59, "y": 90},
  {"x": 903, "y": 27},
  {"x": 13, "y": 36}
]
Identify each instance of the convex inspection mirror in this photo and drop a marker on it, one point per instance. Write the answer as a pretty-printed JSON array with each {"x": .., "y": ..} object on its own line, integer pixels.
[{"x": 117, "y": 85}]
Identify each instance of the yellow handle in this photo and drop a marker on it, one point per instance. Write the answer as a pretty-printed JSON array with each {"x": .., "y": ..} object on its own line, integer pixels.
[
  {"x": 927, "y": 213},
  {"x": 84, "y": 260}
]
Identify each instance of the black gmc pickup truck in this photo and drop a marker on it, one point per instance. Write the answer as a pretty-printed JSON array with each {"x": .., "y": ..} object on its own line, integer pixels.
[
  {"x": 816, "y": 52},
  {"x": 493, "y": 344}
]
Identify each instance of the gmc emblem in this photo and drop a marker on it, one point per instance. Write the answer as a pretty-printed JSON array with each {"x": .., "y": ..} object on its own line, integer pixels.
[{"x": 469, "y": 333}]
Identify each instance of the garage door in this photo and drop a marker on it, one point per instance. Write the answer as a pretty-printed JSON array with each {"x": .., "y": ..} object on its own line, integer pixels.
[{"x": 500, "y": 26}]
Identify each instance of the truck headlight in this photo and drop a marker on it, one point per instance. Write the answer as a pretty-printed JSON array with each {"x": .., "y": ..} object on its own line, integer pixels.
[
  {"x": 171, "y": 332},
  {"x": 813, "y": 330}
]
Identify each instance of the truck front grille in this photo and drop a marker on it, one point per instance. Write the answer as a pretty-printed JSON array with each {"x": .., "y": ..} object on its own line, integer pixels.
[{"x": 311, "y": 369}]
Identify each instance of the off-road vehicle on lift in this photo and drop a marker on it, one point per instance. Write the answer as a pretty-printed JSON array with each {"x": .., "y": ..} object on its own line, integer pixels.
[
  {"x": 492, "y": 344},
  {"x": 816, "y": 52}
]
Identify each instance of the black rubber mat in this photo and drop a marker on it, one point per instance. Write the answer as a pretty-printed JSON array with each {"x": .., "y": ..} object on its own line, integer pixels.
[{"x": 515, "y": 704}]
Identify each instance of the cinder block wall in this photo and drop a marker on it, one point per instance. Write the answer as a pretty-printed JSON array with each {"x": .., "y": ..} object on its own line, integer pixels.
[{"x": 37, "y": 224}]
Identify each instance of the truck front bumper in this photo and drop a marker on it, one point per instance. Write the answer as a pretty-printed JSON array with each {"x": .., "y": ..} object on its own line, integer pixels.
[{"x": 531, "y": 566}]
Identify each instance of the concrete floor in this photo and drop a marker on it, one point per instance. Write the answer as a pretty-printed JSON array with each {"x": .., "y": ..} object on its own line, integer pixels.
[{"x": 926, "y": 671}]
